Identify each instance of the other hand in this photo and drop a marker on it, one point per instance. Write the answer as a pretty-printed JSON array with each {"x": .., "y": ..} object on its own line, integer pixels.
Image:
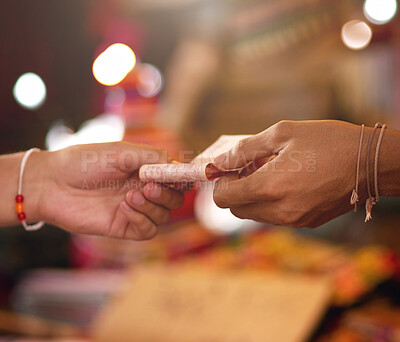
[
  {"x": 310, "y": 180},
  {"x": 95, "y": 189}
]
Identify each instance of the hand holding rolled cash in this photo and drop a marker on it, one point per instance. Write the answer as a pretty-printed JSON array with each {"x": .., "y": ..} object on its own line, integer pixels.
[{"x": 202, "y": 168}]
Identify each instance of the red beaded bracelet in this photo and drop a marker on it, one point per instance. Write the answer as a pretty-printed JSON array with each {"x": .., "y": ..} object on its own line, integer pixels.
[{"x": 19, "y": 207}]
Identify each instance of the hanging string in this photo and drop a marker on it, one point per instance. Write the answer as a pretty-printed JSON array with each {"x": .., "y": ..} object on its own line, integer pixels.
[
  {"x": 371, "y": 200},
  {"x": 354, "y": 195},
  {"x": 378, "y": 146}
]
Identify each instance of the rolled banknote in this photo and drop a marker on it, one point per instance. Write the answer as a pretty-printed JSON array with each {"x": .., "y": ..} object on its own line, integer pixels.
[
  {"x": 185, "y": 172},
  {"x": 201, "y": 169}
]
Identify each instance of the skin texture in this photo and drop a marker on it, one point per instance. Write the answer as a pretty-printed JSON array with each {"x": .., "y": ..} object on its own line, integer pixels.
[
  {"x": 310, "y": 179},
  {"x": 90, "y": 189}
]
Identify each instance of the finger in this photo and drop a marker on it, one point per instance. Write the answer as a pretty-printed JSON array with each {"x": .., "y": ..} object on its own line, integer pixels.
[
  {"x": 157, "y": 214},
  {"x": 261, "y": 145},
  {"x": 116, "y": 156},
  {"x": 132, "y": 156},
  {"x": 278, "y": 213},
  {"x": 256, "y": 211},
  {"x": 140, "y": 226},
  {"x": 259, "y": 186},
  {"x": 253, "y": 167},
  {"x": 231, "y": 191},
  {"x": 164, "y": 196},
  {"x": 183, "y": 186}
]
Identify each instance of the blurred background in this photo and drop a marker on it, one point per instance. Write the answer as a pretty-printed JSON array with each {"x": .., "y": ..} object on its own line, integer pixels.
[{"x": 178, "y": 74}]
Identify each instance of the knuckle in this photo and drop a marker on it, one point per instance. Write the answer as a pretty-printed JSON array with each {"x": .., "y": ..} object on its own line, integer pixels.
[
  {"x": 113, "y": 233},
  {"x": 290, "y": 218},
  {"x": 151, "y": 233},
  {"x": 148, "y": 231},
  {"x": 219, "y": 199},
  {"x": 237, "y": 155},
  {"x": 282, "y": 129},
  {"x": 283, "y": 125},
  {"x": 178, "y": 201},
  {"x": 142, "y": 223},
  {"x": 171, "y": 199},
  {"x": 164, "y": 217},
  {"x": 241, "y": 144},
  {"x": 269, "y": 190},
  {"x": 238, "y": 213}
]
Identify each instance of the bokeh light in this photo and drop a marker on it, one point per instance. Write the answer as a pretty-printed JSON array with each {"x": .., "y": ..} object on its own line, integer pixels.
[
  {"x": 150, "y": 80},
  {"x": 356, "y": 34},
  {"x": 30, "y": 91},
  {"x": 219, "y": 221},
  {"x": 113, "y": 64},
  {"x": 104, "y": 128},
  {"x": 380, "y": 11},
  {"x": 59, "y": 136},
  {"x": 115, "y": 98}
]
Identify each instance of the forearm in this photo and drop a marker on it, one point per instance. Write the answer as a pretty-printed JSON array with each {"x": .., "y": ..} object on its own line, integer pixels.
[{"x": 32, "y": 187}]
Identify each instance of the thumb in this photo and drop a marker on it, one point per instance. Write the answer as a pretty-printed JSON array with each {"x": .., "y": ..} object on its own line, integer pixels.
[{"x": 261, "y": 145}]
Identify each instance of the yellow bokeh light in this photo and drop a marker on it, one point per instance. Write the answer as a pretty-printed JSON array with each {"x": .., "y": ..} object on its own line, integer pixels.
[
  {"x": 113, "y": 64},
  {"x": 356, "y": 34}
]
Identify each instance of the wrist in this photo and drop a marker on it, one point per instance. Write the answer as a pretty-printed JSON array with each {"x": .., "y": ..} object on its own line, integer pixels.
[{"x": 35, "y": 185}]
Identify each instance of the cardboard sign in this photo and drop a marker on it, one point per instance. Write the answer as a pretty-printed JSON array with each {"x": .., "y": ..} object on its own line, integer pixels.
[{"x": 179, "y": 304}]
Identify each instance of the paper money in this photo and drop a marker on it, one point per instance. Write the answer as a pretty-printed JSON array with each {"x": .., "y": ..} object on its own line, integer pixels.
[
  {"x": 189, "y": 172},
  {"x": 201, "y": 169}
]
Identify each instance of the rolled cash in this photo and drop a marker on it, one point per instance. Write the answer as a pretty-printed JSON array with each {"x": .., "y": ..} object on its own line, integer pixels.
[
  {"x": 201, "y": 169},
  {"x": 172, "y": 173}
]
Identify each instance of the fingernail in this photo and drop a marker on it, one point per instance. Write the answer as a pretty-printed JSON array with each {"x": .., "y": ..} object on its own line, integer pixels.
[
  {"x": 220, "y": 159},
  {"x": 137, "y": 198},
  {"x": 126, "y": 206},
  {"x": 155, "y": 191}
]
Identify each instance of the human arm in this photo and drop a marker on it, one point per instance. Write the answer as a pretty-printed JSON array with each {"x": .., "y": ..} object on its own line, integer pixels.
[
  {"x": 90, "y": 189},
  {"x": 310, "y": 180}
]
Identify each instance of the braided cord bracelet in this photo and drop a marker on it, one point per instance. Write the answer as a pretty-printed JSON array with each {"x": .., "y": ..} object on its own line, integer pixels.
[
  {"x": 372, "y": 200},
  {"x": 354, "y": 195}
]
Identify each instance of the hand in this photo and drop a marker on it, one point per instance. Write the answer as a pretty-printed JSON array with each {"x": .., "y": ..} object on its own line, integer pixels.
[
  {"x": 95, "y": 189},
  {"x": 308, "y": 183}
]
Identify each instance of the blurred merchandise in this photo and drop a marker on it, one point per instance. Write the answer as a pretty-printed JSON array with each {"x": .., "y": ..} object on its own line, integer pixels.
[
  {"x": 187, "y": 258},
  {"x": 353, "y": 272},
  {"x": 177, "y": 303},
  {"x": 12, "y": 339},
  {"x": 72, "y": 297},
  {"x": 13, "y": 325},
  {"x": 372, "y": 322},
  {"x": 173, "y": 242}
]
